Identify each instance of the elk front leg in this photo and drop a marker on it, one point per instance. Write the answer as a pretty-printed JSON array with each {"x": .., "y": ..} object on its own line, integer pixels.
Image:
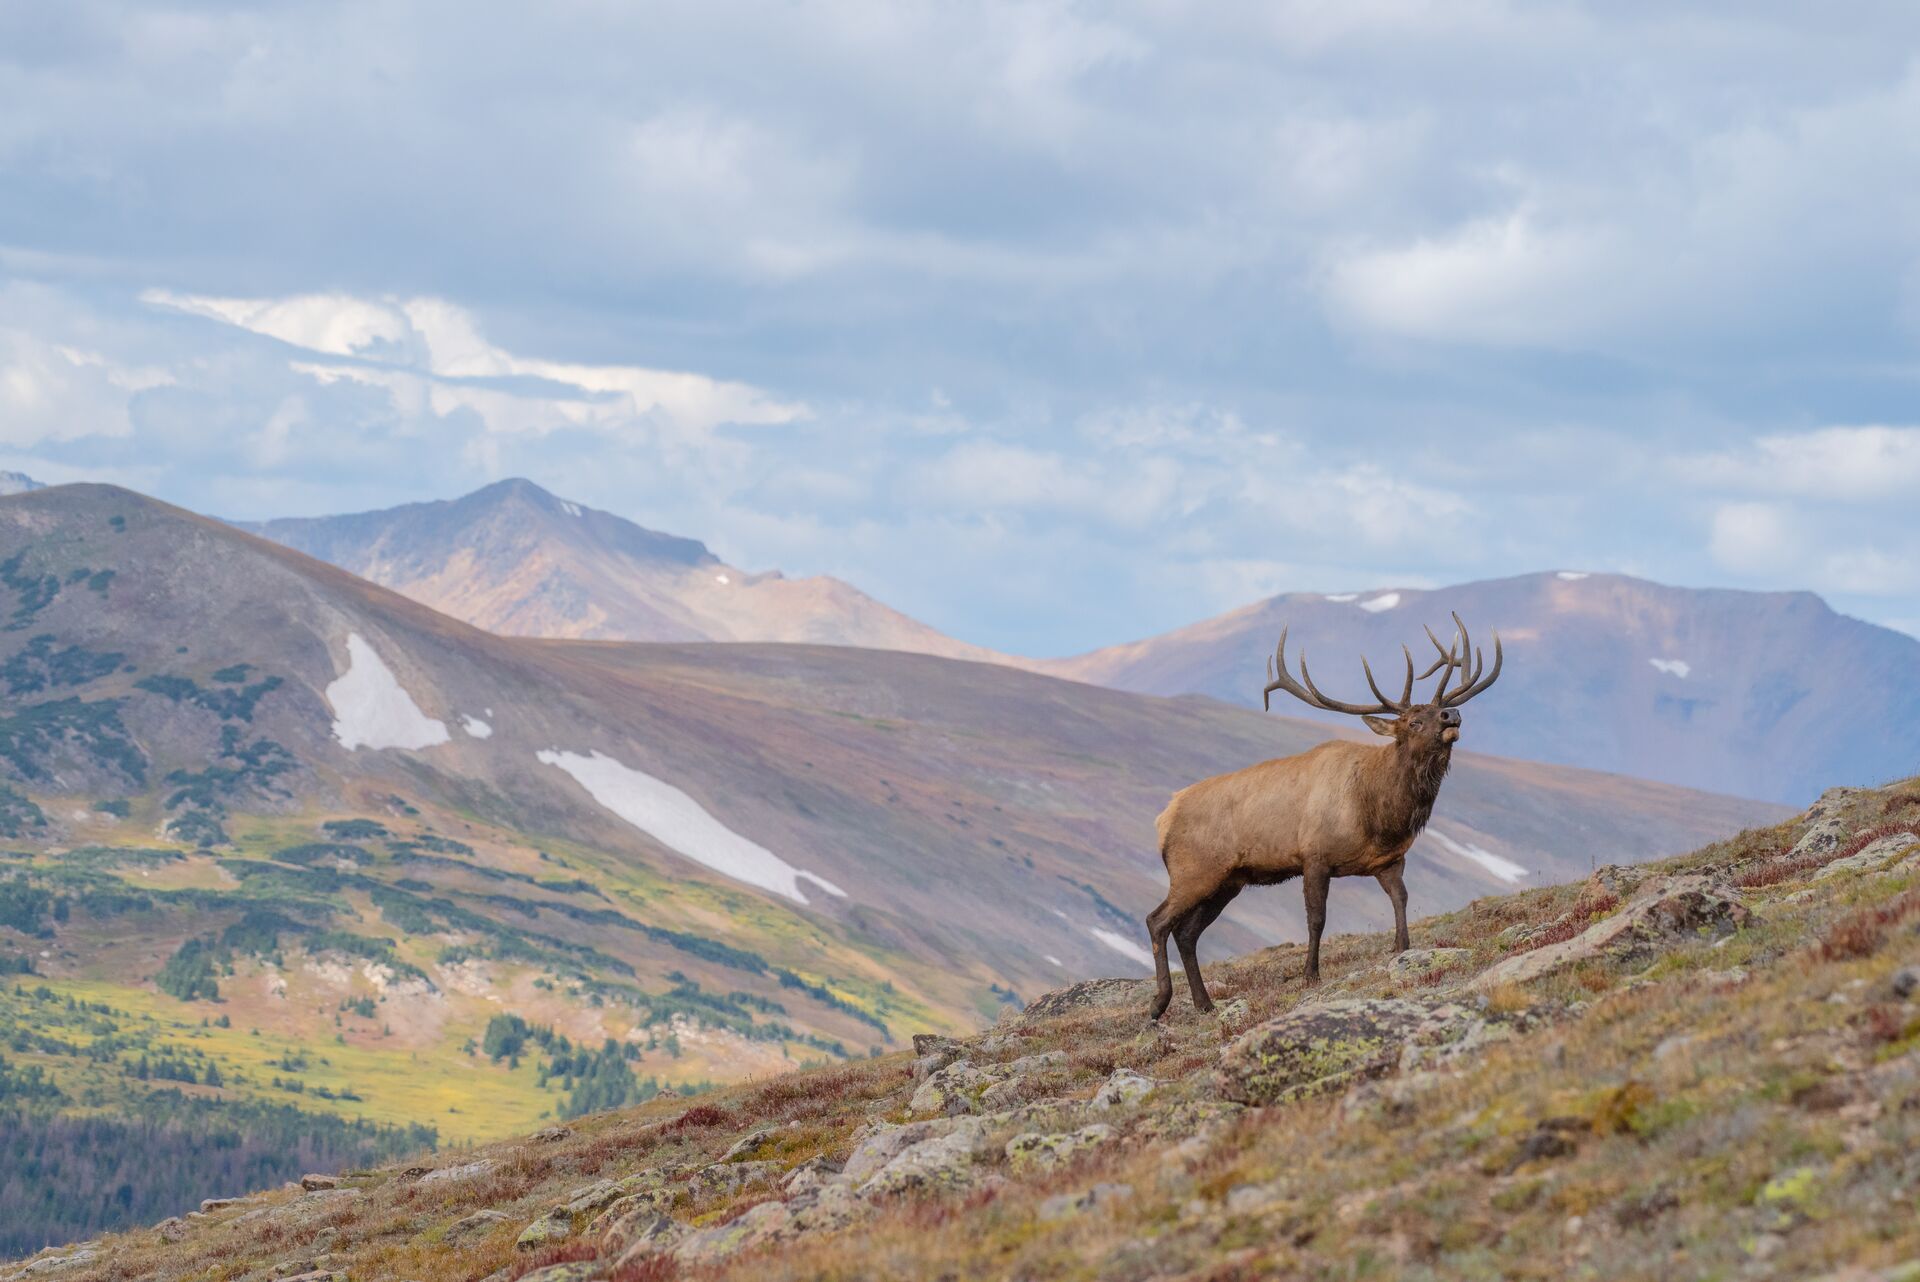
[
  {"x": 1316, "y": 882},
  {"x": 1160, "y": 922},
  {"x": 1394, "y": 882}
]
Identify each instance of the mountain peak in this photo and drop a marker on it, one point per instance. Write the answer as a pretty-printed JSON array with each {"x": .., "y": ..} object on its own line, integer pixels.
[{"x": 18, "y": 483}]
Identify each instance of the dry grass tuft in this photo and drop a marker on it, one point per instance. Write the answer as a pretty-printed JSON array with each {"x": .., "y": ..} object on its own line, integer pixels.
[{"x": 1862, "y": 932}]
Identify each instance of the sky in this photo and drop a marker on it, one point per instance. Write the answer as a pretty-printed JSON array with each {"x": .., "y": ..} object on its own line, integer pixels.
[{"x": 1054, "y": 325}]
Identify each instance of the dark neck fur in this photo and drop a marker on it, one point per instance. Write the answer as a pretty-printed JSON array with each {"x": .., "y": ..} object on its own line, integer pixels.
[{"x": 1416, "y": 774}]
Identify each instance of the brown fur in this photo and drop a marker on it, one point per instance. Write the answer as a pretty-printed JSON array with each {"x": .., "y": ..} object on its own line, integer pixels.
[{"x": 1340, "y": 809}]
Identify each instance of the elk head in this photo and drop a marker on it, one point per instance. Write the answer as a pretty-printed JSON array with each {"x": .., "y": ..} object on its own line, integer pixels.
[{"x": 1433, "y": 725}]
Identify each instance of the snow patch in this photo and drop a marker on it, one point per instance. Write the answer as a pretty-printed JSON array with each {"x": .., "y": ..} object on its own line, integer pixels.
[
  {"x": 1055, "y": 960},
  {"x": 571, "y": 509},
  {"x": 476, "y": 727},
  {"x": 721, "y": 578},
  {"x": 1344, "y": 597},
  {"x": 1122, "y": 945},
  {"x": 1571, "y": 576},
  {"x": 1673, "y": 667},
  {"x": 1505, "y": 869},
  {"x": 1385, "y": 601},
  {"x": 372, "y": 710},
  {"x": 682, "y": 824}
]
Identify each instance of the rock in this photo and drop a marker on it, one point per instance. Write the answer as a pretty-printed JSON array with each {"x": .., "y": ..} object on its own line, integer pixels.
[
  {"x": 882, "y": 1145},
  {"x": 1872, "y": 857},
  {"x": 1236, "y": 1014},
  {"x": 1416, "y": 962},
  {"x": 1245, "y": 1199},
  {"x": 1190, "y": 1118},
  {"x": 1100, "y": 1195},
  {"x": 1668, "y": 909},
  {"x": 1333, "y": 1045},
  {"x": 574, "y": 1271},
  {"x": 953, "y": 1090},
  {"x": 639, "y": 1233},
  {"x": 1906, "y": 981},
  {"x": 728, "y": 1178},
  {"x": 319, "y": 1275},
  {"x": 552, "y": 1135},
  {"x": 554, "y": 1227},
  {"x": 941, "y": 1164},
  {"x": 313, "y": 1183},
  {"x": 748, "y": 1145},
  {"x": 172, "y": 1229},
  {"x": 482, "y": 1221},
  {"x": 1123, "y": 1088},
  {"x": 83, "y": 1254},
  {"x": 1034, "y": 1151},
  {"x": 633, "y": 1206},
  {"x": 933, "y": 1043},
  {"x": 1036, "y": 1063},
  {"x": 1090, "y": 994},
  {"x": 463, "y": 1172},
  {"x": 211, "y": 1204},
  {"x": 758, "y": 1225},
  {"x": 811, "y": 1175}
]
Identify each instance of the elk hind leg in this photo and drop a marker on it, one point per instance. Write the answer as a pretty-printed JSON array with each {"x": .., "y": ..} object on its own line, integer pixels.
[
  {"x": 1187, "y": 935},
  {"x": 1160, "y": 923}
]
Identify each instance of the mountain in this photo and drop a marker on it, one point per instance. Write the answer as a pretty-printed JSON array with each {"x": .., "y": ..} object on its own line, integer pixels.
[
  {"x": 1757, "y": 694},
  {"x": 1705, "y": 1068},
  {"x": 514, "y": 559},
  {"x": 278, "y": 844},
  {"x": 17, "y": 483}
]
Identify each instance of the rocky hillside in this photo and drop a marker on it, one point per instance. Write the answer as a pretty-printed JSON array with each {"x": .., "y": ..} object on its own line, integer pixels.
[
  {"x": 1758, "y": 694},
  {"x": 1709, "y": 1066},
  {"x": 516, "y": 560}
]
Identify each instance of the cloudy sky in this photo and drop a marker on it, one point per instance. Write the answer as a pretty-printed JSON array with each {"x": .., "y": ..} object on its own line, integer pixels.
[{"x": 1052, "y": 324}]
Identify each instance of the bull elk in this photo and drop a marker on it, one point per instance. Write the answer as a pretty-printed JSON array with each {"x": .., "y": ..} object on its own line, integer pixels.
[{"x": 1339, "y": 809}]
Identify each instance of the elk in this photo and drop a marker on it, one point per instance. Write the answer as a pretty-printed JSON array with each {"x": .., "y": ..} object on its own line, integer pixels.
[{"x": 1339, "y": 809}]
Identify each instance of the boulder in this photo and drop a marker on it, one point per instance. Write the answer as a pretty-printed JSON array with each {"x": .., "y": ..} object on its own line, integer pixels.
[
  {"x": 313, "y": 1183},
  {"x": 1906, "y": 982},
  {"x": 210, "y": 1204},
  {"x": 748, "y": 1145},
  {"x": 1122, "y": 1089},
  {"x": 728, "y": 1178},
  {"x": 573, "y": 1271},
  {"x": 551, "y": 1135},
  {"x": 1317, "y": 1048},
  {"x": 953, "y": 1090},
  {"x": 617, "y": 1220},
  {"x": 554, "y": 1227},
  {"x": 1873, "y": 857},
  {"x": 172, "y": 1229},
  {"x": 1417, "y": 962},
  {"x": 1089, "y": 994},
  {"x": 811, "y": 1175},
  {"x": 941, "y": 1164},
  {"x": 641, "y": 1233},
  {"x": 1034, "y": 1151},
  {"x": 465, "y": 1171},
  {"x": 758, "y": 1225},
  {"x": 1666, "y": 911}
]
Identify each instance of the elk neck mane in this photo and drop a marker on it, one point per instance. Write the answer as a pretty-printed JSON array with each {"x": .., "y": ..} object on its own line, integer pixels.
[{"x": 1406, "y": 782}]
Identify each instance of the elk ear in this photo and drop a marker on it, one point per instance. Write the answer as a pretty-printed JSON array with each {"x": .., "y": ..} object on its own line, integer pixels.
[{"x": 1378, "y": 726}]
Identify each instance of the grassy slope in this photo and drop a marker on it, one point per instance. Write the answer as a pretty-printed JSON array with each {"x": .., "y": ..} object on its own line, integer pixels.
[{"x": 1745, "y": 1107}]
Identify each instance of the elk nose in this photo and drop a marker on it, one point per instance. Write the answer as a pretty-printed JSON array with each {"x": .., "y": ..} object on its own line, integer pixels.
[{"x": 1451, "y": 717}]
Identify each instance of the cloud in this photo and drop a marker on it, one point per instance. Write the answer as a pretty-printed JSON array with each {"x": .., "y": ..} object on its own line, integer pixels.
[{"x": 1838, "y": 463}]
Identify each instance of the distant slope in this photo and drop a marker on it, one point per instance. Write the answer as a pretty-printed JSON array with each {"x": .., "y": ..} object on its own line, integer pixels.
[
  {"x": 17, "y": 483},
  {"x": 1758, "y": 694},
  {"x": 514, "y": 559}
]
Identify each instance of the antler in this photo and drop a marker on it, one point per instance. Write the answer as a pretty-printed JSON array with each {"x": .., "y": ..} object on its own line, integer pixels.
[
  {"x": 1278, "y": 678},
  {"x": 1452, "y": 658}
]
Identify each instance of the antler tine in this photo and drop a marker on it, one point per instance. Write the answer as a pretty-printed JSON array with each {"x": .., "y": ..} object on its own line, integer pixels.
[
  {"x": 1406, "y": 691},
  {"x": 1478, "y": 685},
  {"x": 1338, "y": 705},
  {"x": 1371, "y": 685},
  {"x": 1446, "y": 655}
]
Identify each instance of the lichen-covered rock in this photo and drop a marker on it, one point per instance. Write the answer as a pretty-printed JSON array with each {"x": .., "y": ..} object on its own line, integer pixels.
[
  {"x": 1874, "y": 856},
  {"x": 881, "y": 1145},
  {"x": 1090, "y": 994},
  {"x": 1034, "y": 1151},
  {"x": 574, "y": 1271},
  {"x": 554, "y": 1227},
  {"x": 640, "y": 1232},
  {"x": 1233, "y": 1014},
  {"x": 584, "y": 1202},
  {"x": 1666, "y": 911},
  {"x": 633, "y": 1207},
  {"x": 941, "y": 1164},
  {"x": 748, "y": 1145},
  {"x": 1416, "y": 962},
  {"x": 1316, "y": 1048},
  {"x": 1191, "y": 1118},
  {"x": 811, "y": 1175},
  {"x": 955, "y": 1089},
  {"x": 728, "y": 1178},
  {"x": 759, "y": 1224},
  {"x": 1037, "y": 1063},
  {"x": 481, "y": 1221},
  {"x": 312, "y": 1183},
  {"x": 172, "y": 1229},
  {"x": 465, "y": 1171},
  {"x": 1123, "y": 1088}
]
